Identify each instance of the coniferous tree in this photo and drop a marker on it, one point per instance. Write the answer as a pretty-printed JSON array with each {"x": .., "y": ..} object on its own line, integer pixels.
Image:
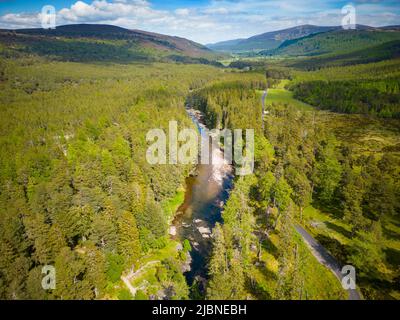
[{"x": 128, "y": 237}]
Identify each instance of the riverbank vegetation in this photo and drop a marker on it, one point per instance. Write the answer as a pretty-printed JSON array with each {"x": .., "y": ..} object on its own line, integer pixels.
[
  {"x": 344, "y": 166},
  {"x": 76, "y": 190},
  {"x": 77, "y": 193}
]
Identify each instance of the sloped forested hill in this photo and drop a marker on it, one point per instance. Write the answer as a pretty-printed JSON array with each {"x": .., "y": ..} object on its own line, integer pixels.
[
  {"x": 76, "y": 190},
  {"x": 337, "y": 41},
  {"x": 104, "y": 43}
]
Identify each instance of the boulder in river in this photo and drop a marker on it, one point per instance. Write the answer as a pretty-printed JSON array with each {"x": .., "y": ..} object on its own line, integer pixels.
[
  {"x": 204, "y": 230},
  {"x": 186, "y": 265},
  {"x": 195, "y": 245},
  {"x": 172, "y": 230}
]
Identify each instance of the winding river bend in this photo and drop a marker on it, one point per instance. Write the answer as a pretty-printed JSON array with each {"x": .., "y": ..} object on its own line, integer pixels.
[{"x": 206, "y": 193}]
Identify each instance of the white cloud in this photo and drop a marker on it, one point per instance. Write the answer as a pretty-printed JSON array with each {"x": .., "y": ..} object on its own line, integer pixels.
[
  {"x": 182, "y": 12},
  {"x": 19, "y": 20},
  {"x": 217, "y": 21},
  {"x": 219, "y": 10}
]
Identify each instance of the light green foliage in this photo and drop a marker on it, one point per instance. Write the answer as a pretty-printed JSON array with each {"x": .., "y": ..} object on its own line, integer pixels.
[
  {"x": 327, "y": 172},
  {"x": 77, "y": 191},
  {"x": 308, "y": 165},
  {"x": 335, "y": 42}
]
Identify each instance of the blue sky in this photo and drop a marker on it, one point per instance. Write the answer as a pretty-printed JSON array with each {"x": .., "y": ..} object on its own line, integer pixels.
[{"x": 204, "y": 21}]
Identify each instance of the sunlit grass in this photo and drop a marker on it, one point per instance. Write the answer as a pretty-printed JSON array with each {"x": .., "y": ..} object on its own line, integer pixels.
[{"x": 283, "y": 96}]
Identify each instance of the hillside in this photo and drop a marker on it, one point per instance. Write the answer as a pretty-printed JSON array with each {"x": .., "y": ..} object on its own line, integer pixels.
[
  {"x": 89, "y": 42},
  {"x": 334, "y": 42},
  {"x": 385, "y": 51},
  {"x": 80, "y": 193},
  {"x": 268, "y": 40}
]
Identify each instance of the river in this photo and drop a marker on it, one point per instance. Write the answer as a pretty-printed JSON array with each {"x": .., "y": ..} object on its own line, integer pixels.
[{"x": 207, "y": 190}]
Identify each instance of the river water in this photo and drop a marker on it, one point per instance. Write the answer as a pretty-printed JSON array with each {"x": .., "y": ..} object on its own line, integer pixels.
[{"x": 206, "y": 193}]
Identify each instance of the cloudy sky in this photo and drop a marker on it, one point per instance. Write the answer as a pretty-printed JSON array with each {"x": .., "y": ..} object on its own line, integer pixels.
[{"x": 204, "y": 21}]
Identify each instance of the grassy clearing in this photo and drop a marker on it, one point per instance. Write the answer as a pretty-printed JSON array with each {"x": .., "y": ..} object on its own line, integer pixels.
[
  {"x": 145, "y": 280},
  {"x": 171, "y": 205},
  {"x": 170, "y": 250},
  {"x": 365, "y": 134},
  {"x": 321, "y": 223},
  {"x": 283, "y": 96}
]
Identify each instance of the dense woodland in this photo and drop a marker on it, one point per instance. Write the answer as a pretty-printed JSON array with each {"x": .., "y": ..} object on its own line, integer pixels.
[
  {"x": 353, "y": 96},
  {"x": 76, "y": 191},
  {"x": 298, "y": 162},
  {"x": 336, "y": 42}
]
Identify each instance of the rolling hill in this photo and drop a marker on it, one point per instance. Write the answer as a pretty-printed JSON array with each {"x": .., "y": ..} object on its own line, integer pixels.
[
  {"x": 284, "y": 41},
  {"x": 93, "y": 42},
  {"x": 334, "y": 42},
  {"x": 385, "y": 51},
  {"x": 268, "y": 40}
]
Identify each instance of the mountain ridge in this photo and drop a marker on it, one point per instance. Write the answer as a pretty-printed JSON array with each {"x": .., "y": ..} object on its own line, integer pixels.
[
  {"x": 273, "y": 39},
  {"x": 334, "y": 42},
  {"x": 111, "y": 32}
]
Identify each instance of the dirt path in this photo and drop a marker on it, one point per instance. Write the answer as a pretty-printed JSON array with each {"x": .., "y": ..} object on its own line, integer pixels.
[{"x": 133, "y": 274}]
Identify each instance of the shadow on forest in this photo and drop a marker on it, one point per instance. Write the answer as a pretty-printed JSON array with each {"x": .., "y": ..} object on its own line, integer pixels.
[
  {"x": 338, "y": 229},
  {"x": 270, "y": 247},
  {"x": 382, "y": 286},
  {"x": 335, "y": 248},
  {"x": 390, "y": 234},
  {"x": 396, "y": 223},
  {"x": 268, "y": 274},
  {"x": 260, "y": 289},
  {"x": 392, "y": 257},
  {"x": 333, "y": 211}
]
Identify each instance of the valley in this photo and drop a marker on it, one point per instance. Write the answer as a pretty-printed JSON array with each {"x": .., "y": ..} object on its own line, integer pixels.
[{"x": 78, "y": 194}]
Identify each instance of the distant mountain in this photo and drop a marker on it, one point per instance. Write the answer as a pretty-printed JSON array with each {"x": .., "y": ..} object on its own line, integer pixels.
[
  {"x": 268, "y": 40},
  {"x": 385, "y": 51},
  {"x": 94, "y": 42},
  {"x": 275, "y": 39},
  {"x": 221, "y": 46},
  {"x": 99, "y": 31},
  {"x": 396, "y": 28},
  {"x": 335, "y": 42}
]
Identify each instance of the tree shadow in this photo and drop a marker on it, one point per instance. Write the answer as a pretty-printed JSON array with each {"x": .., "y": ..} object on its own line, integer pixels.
[
  {"x": 270, "y": 247},
  {"x": 396, "y": 223},
  {"x": 381, "y": 287},
  {"x": 332, "y": 210},
  {"x": 339, "y": 251},
  {"x": 392, "y": 257},
  {"x": 254, "y": 193},
  {"x": 390, "y": 234},
  {"x": 258, "y": 289},
  {"x": 338, "y": 229}
]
